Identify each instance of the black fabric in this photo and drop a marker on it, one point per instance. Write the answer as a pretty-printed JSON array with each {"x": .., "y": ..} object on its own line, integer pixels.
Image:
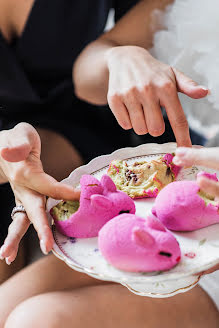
[{"x": 36, "y": 81}]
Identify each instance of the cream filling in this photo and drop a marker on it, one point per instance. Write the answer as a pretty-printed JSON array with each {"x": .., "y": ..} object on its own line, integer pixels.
[
  {"x": 140, "y": 176},
  {"x": 64, "y": 210},
  {"x": 208, "y": 199}
]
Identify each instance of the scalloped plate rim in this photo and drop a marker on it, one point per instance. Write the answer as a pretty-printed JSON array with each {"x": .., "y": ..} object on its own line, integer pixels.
[{"x": 157, "y": 148}]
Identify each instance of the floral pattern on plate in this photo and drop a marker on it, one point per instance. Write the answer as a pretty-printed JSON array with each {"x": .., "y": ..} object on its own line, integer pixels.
[{"x": 199, "y": 248}]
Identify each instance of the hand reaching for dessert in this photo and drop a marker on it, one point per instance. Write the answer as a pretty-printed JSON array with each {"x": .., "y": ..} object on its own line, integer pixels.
[
  {"x": 208, "y": 157},
  {"x": 20, "y": 165},
  {"x": 139, "y": 85}
]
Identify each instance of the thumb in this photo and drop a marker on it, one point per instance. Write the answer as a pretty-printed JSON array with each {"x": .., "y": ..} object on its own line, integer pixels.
[
  {"x": 189, "y": 87},
  {"x": 17, "y": 143}
]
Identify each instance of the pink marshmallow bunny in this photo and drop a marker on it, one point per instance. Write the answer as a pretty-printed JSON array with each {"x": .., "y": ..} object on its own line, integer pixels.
[
  {"x": 182, "y": 206},
  {"x": 100, "y": 201},
  {"x": 134, "y": 244}
]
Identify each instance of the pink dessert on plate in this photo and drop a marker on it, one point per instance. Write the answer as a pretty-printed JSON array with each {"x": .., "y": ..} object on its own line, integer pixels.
[
  {"x": 99, "y": 202},
  {"x": 182, "y": 206},
  {"x": 135, "y": 244}
]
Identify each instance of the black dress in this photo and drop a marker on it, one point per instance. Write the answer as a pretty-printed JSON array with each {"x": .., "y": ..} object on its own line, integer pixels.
[{"x": 36, "y": 81}]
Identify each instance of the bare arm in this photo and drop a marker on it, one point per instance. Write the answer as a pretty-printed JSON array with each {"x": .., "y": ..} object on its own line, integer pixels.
[
  {"x": 90, "y": 72},
  {"x": 118, "y": 69}
]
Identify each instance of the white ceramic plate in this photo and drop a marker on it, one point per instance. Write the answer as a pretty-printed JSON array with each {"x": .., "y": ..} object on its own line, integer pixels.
[{"x": 200, "y": 249}]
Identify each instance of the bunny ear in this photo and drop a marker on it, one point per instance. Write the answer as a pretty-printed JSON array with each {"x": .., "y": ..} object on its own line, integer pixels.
[
  {"x": 155, "y": 224},
  {"x": 108, "y": 183},
  {"x": 100, "y": 201},
  {"x": 142, "y": 237}
]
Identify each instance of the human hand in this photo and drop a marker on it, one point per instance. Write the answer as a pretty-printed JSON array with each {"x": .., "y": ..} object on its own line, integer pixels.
[
  {"x": 21, "y": 166},
  {"x": 208, "y": 157},
  {"x": 139, "y": 85}
]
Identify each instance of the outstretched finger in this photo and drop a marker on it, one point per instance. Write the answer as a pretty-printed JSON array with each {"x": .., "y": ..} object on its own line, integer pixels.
[
  {"x": 177, "y": 117},
  {"x": 208, "y": 157},
  {"x": 48, "y": 186},
  {"x": 34, "y": 205},
  {"x": 16, "y": 231}
]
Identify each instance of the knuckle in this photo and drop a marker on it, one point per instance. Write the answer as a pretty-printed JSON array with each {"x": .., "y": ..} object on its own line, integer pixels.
[
  {"x": 130, "y": 96},
  {"x": 148, "y": 88},
  {"x": 156, "y": 131},
  {"x": 168, "y": 87},
  {"x": 55, "y": 193},
  {"x": 181, "y": 122},
  {"x": 113, "y": 99},
  {"x": 14, "y": 235},
  {"x": 17, "y": 176}
]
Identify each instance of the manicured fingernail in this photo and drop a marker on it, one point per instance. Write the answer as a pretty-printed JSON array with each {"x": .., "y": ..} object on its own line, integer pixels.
[
  {"x": 1, "y": 252},
  {"x": 205, "y": 89},
  {"x": 7, "y": 261},
  {"x": 43, "y": 247}
]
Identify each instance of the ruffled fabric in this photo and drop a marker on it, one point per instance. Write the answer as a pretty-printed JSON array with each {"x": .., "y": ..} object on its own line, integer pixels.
[{"x": 190, "y": 42}]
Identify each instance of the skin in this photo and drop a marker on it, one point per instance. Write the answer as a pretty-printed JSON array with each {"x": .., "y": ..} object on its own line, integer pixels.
[
  {"x": 207, "y": 157},
  {"x": 48, "y": 293},
  {"x": 117, "y": 68},
  {"x": 135, "y": 97}
]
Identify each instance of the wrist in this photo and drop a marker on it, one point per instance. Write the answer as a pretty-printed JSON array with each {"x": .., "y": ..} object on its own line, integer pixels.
[{"x": 123, "y": 52}]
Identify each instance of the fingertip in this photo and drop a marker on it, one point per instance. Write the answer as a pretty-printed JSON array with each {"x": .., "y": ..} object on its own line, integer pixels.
[
  {"x": 203, "y": 182},
  {"x": 43, "y": 247},
  {"x": 2, "y": 251},
  {"x": 177, "y": 161},
  {"x": 198, "y": 92},
  {"x": 8, "y": 262}
]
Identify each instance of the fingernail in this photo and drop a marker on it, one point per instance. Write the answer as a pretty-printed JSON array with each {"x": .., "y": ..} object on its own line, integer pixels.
[
  {"x": 1, "y": 251},
  {"x": 43, "y": 247},
  {"x": 7, "y": 261},
  {"x": 205, "y": 89}
]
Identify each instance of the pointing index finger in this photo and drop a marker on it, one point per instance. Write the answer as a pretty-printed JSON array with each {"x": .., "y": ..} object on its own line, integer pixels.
[
  {"x": 177, "y": 119},
  {"x": 48, "y": 186},
  {"x": 204, "y": 156}
]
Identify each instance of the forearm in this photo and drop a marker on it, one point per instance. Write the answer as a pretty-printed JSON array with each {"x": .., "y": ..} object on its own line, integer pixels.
[{"x": 90, "y": 73}]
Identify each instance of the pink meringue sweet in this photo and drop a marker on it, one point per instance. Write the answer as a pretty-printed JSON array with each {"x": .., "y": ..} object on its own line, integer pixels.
[
  {"x": 100, "y": 201},
  {"x": 182, "y": 206},
  {"x": 135, "y": 244}
]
